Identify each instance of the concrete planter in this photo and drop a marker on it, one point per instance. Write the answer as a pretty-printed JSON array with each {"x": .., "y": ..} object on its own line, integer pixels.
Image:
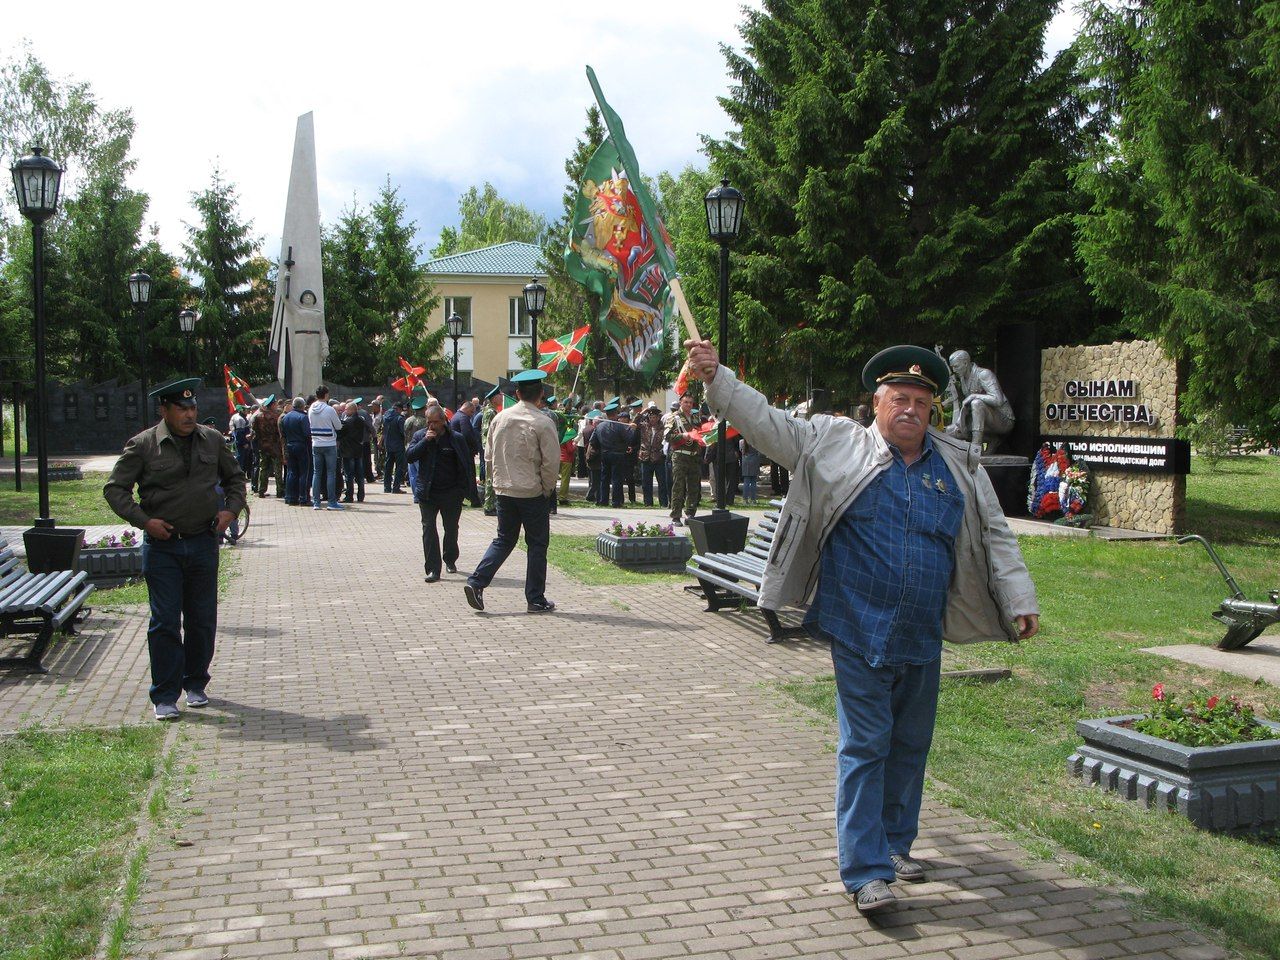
[
  {"x": 111, "y": 566},
  {"x": 645, "y": 553},
  {"x": 1231, "y": 788}
]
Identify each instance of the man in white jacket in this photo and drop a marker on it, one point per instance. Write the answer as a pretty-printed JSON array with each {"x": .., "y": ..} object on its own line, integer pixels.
[
  {"x": 522, "y": 457},
  {"x": 325, "y": 423},
  {"x": 893, "y": 535}
]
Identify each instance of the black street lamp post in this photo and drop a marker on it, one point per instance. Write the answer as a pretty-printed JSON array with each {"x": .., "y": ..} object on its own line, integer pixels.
[
  {"x": 454, "y": 325},
  {"x": 535, "y": 301},
  {"x": 36, "y": 180},
  {"x": 724, "y": 220},
  {"x": 187, "y": 324},
  {"x": 140, "y": 294}
]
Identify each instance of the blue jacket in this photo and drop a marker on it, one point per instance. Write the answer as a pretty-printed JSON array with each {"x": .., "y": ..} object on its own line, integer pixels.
[
  {"x": 392, "y": 431},
  {"x": 423, "y": 452},
  {"x": 295, "y": 428}
]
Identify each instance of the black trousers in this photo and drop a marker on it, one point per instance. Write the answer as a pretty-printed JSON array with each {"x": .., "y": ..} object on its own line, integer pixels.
[{"x": 447, "y": 505}]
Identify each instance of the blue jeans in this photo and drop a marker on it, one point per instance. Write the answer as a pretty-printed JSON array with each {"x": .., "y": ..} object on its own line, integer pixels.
[
  {"x": 613, "y": 471},
  {"x": 648, "y": 473},
  {"x": 750, "y": 488},
  {"x": 393, "y": 472},
  {"x": 413, "y": 480},
  {"x": 324, "y": 474},
  {"x": 182, "y": 584},
  {"x": 886, "y": 717},
  {"x": 295, "y": 472},
  {"x": 353, "y": 475},
  {"x": 534, "y": 514}
]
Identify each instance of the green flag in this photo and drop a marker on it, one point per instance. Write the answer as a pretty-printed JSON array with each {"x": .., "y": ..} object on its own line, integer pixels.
[
  {"x": 613, "y": 254},
  {"x": 648, "y": 209}
]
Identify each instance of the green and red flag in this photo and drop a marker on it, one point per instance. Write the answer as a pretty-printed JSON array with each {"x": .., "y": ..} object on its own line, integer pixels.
[
  {"x": 238, "y": 392},
  {"x": 555, "y": 355},
  {"x": 619, "y": 249}
]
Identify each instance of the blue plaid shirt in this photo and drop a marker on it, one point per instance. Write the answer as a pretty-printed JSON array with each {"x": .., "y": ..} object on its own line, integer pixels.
[{"x": 887, "y": 564}]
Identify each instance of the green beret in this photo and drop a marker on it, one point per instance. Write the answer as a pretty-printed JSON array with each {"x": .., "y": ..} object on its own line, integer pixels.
[
  {"x": 907, "y": 364},
  {"x": 418, "y": 402},
  {"x": 269, "y": 400},
  {"x": 611, "y": 405},
  {"x": 529, "y": 376}
]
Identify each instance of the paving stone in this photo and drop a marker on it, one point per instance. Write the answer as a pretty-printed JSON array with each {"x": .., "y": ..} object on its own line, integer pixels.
[{"x": 384, "y": 772}]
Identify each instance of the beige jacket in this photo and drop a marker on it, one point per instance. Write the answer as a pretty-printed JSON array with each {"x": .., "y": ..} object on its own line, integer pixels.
[
  {"x": 522, "y": 454},
  {"x": 832, "y": 461}
]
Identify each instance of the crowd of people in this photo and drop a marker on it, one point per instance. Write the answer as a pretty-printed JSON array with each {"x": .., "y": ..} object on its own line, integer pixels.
[{"x": 322, "y": 452}]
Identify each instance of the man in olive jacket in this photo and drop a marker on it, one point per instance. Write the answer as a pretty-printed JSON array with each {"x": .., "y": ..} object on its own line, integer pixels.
[
  {"x": 176, "y": 466},
  {"x": 894, "y": 536}
]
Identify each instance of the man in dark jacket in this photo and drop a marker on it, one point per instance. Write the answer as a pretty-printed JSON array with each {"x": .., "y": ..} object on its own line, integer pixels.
[
  {"x": 295, "y": 435},
  {"x": 445, "y": 476},
  {"x": 393, "y": 446},
  {"x": 615, "y": 440},
  {"x": 351, "y": 441}
]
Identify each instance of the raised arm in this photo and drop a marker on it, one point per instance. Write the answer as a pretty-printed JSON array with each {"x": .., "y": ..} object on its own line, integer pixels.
[{"x": 778, "y": 435}]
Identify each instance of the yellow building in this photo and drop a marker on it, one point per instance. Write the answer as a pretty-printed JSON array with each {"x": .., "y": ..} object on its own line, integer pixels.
[{"x": 485, "y": 288}]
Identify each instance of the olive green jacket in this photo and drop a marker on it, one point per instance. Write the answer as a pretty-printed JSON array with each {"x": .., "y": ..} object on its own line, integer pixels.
[{"x": 153, "y": 462}]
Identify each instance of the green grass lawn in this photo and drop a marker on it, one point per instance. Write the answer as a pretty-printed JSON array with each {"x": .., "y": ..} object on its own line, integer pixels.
[
  {"x": 1000, "y": 749},
  {"x": 71, "y": 502},
  {"x": 69, "y": 807}
]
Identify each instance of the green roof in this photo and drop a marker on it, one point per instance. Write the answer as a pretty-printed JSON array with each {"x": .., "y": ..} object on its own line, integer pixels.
[{"x": 510, "y": 259}]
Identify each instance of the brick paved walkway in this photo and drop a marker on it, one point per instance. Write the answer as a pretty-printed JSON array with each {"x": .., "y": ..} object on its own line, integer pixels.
[{"x": 385, "y": 773}]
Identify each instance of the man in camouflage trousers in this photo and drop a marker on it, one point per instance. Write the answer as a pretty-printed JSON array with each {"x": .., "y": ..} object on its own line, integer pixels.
[
  {"x": 490, "y": 411},
  {"x": 686, "y": 448}
]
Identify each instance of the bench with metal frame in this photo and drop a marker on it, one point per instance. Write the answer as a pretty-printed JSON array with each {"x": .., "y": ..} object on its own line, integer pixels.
[
  {"x": 37, "y": 605},
  {"x": 727, "y": 580}
]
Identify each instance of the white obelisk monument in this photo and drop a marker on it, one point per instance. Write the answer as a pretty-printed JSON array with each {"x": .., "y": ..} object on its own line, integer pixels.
[{"x": 299, "y": 343}]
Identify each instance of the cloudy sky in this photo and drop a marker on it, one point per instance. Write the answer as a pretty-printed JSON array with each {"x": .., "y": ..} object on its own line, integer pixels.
[{"x": 437, "y": 96}]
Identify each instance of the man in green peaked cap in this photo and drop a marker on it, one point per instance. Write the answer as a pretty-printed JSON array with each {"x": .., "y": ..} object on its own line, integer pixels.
[
  {"x": 177, "y": 467},
  {"x": 893, "y": 537}
]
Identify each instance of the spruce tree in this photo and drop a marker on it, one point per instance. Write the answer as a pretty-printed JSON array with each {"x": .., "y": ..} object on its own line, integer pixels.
[
  {"x": 218, "y": 252},
  {"x": 1183, "y": 235},
  {"x": 99, "y": 240},
  {"x": 402, "y": 292},
  {"x": 905, "y": 171},
  {"x": 353, "y": 322}
]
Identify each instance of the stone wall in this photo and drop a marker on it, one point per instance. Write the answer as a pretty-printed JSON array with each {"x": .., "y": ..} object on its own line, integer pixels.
[{"x": 1134, "y": 501}]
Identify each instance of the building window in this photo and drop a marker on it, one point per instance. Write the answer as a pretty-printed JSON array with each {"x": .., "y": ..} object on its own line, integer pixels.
[
  {"x": 462, "y": 307},
  {"x": 518, "y": 319}
]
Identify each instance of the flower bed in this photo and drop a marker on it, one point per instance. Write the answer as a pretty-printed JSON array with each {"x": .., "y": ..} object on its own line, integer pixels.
[
  {"x": 1209, "y": 759},
  {"x": 112, "y": 560},
  {"x": 644, "y": 546}
]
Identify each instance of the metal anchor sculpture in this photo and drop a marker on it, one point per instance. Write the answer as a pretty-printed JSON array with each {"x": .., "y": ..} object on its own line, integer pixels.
[{"x": 1244, "y": 619}]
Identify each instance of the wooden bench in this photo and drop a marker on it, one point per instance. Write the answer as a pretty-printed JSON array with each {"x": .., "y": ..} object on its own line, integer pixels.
[
  {"x": 727, "y": 580},
  {"x": 37, "y": 604}
]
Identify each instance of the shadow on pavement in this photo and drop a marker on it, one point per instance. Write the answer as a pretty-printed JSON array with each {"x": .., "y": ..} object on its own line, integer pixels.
[{"x": 344, "y": 733}]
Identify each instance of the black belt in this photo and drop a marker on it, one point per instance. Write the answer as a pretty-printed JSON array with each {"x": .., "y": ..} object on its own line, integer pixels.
[{"x": 175, "y": 535}]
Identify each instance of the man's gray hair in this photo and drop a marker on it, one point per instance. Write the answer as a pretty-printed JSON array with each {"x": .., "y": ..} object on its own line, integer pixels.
[{"x": 299, "y": 403}]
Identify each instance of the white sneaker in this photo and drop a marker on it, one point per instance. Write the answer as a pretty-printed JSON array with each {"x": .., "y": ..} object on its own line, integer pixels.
[{"x": 167, "y": 711}]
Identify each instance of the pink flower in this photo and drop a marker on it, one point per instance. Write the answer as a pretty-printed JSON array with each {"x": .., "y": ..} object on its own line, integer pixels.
[{"x": 1157, "y": 692}]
